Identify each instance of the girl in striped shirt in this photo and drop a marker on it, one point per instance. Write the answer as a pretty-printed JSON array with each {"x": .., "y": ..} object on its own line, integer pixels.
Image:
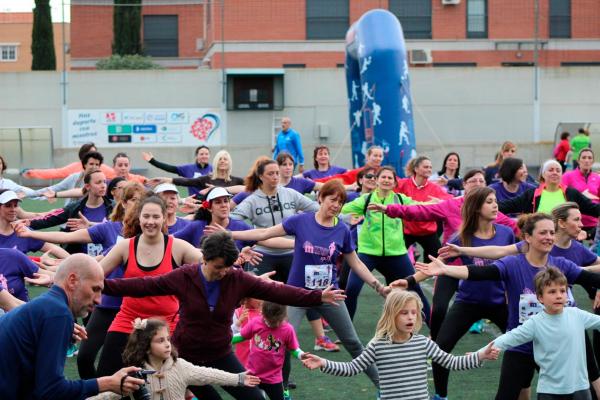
[{"x": 400, "y": 353}]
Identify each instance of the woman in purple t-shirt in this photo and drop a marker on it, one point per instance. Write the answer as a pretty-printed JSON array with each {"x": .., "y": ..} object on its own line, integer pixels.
[
  {"x": 517, "y": 273},
  {"x": 474, "y": 300},
  {"x": 320, "y": 241},
  {"x": 323, "y": 167},
  {"x": 9, "y": 207},
  {"x": 513, "y": 173}
]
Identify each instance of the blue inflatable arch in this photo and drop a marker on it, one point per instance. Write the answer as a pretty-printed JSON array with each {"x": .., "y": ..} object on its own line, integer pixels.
[{"x": 380, "y": 103}]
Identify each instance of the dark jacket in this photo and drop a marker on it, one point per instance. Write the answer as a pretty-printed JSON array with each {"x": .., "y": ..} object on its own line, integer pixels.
[
  {"x": 61, "y": 215},
  {"x": 529, "y": 201},
  {"x": 33, "y": 340},
  {"x": 202, "y": 336}
]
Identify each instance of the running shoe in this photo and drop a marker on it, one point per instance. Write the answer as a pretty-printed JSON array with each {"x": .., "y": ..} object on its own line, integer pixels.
[
  {"x": 287, "y": 395},
  {"x": 325, "y": 344},
  {"x": 291, "y": 384},
  {"x": 72, "y": 351},
  {"x": 477, "y": 327},
  {"x": 438, "y": 397}
]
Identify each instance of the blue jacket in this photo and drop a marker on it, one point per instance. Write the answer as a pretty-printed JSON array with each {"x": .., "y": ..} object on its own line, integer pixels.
[
  {"x": 289, "y": 141},
  {"x": 33, "y": 345}
]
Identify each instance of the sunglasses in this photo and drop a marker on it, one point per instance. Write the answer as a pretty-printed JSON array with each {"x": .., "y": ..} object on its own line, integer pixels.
[{"x": 370, "y": 176}]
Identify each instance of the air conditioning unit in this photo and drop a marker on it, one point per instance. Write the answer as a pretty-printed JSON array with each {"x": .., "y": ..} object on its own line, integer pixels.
[
  {"x": 420, "y": 56},
  {"x": 450, "y": 2}
]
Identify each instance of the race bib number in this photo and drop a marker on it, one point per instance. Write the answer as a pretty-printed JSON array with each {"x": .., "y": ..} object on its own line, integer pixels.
[
  {"x": 94, "y": 249},
  {"x": 318, "y": 276},
  {"x": 528, "y": 306}
]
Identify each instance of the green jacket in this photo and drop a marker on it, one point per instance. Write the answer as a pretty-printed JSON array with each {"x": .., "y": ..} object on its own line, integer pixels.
[{"x": 379, "y": 235}]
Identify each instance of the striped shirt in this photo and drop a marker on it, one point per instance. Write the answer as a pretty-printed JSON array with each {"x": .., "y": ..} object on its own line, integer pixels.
[{"x": 402, "y": 366}]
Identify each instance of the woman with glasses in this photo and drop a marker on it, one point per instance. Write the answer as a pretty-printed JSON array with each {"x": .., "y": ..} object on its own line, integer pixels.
[{"x": 448, "y": 212}]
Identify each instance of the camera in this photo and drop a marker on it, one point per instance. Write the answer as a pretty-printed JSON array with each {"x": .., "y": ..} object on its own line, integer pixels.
[{"x": 142, "y": 393}]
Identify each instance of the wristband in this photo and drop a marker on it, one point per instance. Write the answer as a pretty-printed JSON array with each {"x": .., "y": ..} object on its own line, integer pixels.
[
  {"x": 411, "y": 281},
  {"x": 56, "y": 195},
  {"x": 241, "y": 379}
]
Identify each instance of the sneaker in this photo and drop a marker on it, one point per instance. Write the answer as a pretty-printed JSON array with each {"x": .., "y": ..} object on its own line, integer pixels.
[
  {"x": 291, "y": 384},
  {"x": 325, "y": 344},
  {"x": 326, "y": 327},
  {"x": 72, "y": 351},
  {"x": 476, "y": 328},
  {"x": 438, "y": 397},
  {"x": 286, "y": 395}
]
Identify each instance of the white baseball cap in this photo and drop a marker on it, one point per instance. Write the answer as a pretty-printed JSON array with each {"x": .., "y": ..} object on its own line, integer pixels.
[
  {"x": 7, "y": 196},
  {"x": 217, "y": 192},
  {"x": 165, "y": 187}
]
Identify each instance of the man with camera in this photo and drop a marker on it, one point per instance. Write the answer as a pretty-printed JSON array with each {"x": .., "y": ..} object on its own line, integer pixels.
[{"x": 35, "y": 336}]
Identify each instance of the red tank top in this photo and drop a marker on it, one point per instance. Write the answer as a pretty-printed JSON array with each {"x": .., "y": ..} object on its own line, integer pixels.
[{"x": 166, "y": 307}]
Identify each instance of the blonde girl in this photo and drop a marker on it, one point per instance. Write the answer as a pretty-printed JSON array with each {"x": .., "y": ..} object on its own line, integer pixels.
[{"x": 400, "y": 353}]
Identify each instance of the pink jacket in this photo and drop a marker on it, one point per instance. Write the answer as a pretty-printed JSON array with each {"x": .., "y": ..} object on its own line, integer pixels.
[
  {"x": 447, "y": 211},
  {"x": 577, "y": 180}
]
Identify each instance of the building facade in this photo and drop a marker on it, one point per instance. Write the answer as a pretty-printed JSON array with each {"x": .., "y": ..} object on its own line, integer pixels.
[
  {"x": 15, "y": 41},
  {"x": 310, "y": 33}
]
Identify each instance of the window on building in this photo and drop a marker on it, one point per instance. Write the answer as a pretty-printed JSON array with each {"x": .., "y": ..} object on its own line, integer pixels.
[
  {"x": 477, "y": 19},
  {"x": 161, "y": 35},
  {"x": 8, "y": 52},
  {"x": 414, "y": 16},
  {"x": 560, "y": 18},
  {"x": 327, "y": 19},
  {"x": 254, "y": 92}
]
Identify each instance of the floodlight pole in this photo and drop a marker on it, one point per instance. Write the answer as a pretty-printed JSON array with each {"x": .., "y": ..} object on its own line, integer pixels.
[{"x": 536, "y": 74}]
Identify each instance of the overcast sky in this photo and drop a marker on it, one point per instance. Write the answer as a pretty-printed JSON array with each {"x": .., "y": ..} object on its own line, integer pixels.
[{"x": 28, "y": 5}]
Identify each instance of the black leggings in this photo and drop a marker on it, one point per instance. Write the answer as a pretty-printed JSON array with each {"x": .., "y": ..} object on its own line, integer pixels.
[
  {"x": 516, "y": 373},
  {"x": 443, "y": 290},
  {"x": 97, "y": 327},
  {"x": 111, "y": 358},
  {"x": 228, "y": 363},
  {"x": 458, "y": 320},
  {"x": 578, "y": 395},
  {"x": 273, "y": 390},
  {"x": 430, "y": 243}
]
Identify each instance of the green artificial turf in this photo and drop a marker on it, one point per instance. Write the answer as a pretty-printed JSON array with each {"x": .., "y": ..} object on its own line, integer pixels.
[{"x": 464, "y": 385}]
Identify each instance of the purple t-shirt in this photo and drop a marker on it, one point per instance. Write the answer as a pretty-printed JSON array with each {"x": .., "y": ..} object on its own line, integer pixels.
[
  {"x": 24, "y": 245},
  {"x": 212, "y": 290},
  {"x": 301, "y": 185},
  {"x": 106, "y": 234},
  {"x": 15, "y": 266},
  {"x": 193, "y": 232},
  {"x": 316, "y": 250},
  {"x": 193, "y": 171},
  {"x": 503, "y": 194},
  {"x": 483, "y": 292},
  {"x": 518, "y": 277},
  {"x": 96, "y": 214},
  {"x": 316, "y": 174},
  {"x": 241, "y": 196},
  {"x": 179, "y": 224}
]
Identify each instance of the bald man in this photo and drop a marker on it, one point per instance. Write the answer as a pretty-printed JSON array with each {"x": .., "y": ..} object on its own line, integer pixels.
[
  {"x": 35, "y": 336},
  {"x": 288, "y": 140}
]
